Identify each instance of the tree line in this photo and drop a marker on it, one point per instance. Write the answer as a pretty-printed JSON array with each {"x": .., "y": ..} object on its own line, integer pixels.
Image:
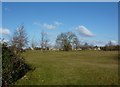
[{"x": 65, "y": 41}]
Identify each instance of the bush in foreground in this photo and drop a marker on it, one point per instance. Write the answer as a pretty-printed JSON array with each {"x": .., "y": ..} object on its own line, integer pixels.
[{"x": 13, "y": 66}]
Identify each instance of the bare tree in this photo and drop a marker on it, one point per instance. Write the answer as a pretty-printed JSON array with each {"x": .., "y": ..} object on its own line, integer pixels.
[
  {"x": 33, "y": 44},
  {"x": 76, "y": 42},
  {"x": 66, "y": 40},
  {"x": 46, "y": 44},
  {"x": 86, "y": 46},
  {"x": 44, "y": 41},
  {"x": 110, "y": 43},
  {"x": 20, "y": 38}
]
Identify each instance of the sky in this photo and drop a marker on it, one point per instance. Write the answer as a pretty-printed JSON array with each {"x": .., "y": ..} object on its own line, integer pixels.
[
  {"x": 92, "y": 22},
  {"x": 60, "y": 0}
]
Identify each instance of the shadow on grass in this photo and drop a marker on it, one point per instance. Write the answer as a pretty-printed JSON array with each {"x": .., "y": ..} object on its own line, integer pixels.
[{"x": 16, "y": 74}]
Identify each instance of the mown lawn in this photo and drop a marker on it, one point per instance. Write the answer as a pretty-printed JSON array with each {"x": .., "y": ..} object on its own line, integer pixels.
[{"x": 71, "y": 68}]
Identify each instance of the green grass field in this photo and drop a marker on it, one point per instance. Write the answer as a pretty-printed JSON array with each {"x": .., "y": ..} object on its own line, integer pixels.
[{"x": 71, "y": 68}]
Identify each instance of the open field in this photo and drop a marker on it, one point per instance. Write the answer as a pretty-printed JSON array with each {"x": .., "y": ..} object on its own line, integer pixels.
[{"x": 71, "y": 68}]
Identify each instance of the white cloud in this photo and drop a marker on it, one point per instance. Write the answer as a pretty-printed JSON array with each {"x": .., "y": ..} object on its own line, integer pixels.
[
  {"x": 98, "y": 42},
  {"x": 94, "y": 42},
  {"x": 49, "y": 26},
  {"x": 36, "y": 23},
  {"x": 84, "y": 31},
  {"x": 114, "y": 42},
  {"x": 4, "y": 31},
  {"x": 58, "y": 23},
  {"x": 101, "y": 42}
]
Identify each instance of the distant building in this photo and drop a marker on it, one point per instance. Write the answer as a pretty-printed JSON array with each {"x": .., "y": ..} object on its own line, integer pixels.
[
  {"x": 79, "y": 49},
  {"x": 96, "y": 48}
]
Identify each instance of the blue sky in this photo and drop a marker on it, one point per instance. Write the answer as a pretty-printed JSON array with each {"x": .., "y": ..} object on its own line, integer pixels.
[{"x": 93, "y": 22}]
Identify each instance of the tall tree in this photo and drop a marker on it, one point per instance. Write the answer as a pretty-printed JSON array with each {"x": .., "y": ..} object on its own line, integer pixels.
[
  {"x": 33, "y": 44},
  {"x": 20, "y": 38},
  {"x": 65, "y": 40},
  {"x": 44, "y": 41},
  {"x": 86, "y": 45},
  {"x": 110, "y": 43},
  {"x": 76, "y": 42}
]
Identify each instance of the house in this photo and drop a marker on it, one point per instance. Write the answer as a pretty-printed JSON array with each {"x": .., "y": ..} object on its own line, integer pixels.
[{"x": 96, "y": 48}]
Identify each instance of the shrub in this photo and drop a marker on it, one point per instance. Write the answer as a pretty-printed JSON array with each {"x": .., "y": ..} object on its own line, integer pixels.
[{"x": 13, "y": 66}]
